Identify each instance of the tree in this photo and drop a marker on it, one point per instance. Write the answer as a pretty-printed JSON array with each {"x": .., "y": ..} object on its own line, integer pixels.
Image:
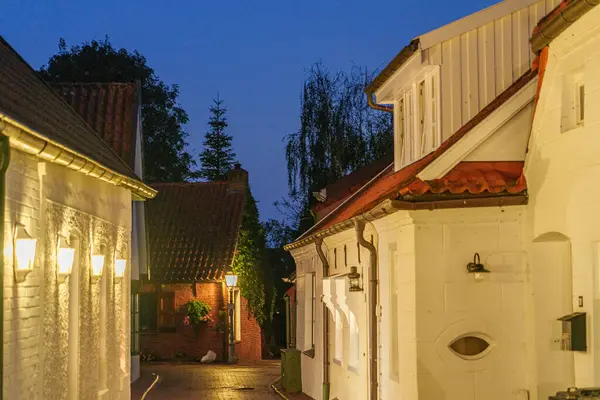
[
  {"x": 217, "y": 156},
  {"x": 249, "y": 261},
  {"x": 338, "y": 134},
  {"x": 163, "y": 118}
]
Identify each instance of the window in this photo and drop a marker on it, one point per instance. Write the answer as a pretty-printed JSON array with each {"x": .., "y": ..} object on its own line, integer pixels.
[
  {"x": 237, "y": 324},
  {"x": 147, "y": 312},
  {"x": 573, "y": 100},
  {"x": 580, "y": 103},
  {"x": 135, "y": 324},
  {"x": 470, "y": 347},
  {"x": 417, "y": 127},
  {"x": 167, "y": 312},
  {"x": 339, "y": 334},
  {"x": 354, "y": 343},
  {"x": 313, "y": 287}
]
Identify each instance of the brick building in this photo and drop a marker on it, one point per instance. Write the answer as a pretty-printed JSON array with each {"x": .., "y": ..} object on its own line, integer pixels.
[{"x": 193, "y": 230}]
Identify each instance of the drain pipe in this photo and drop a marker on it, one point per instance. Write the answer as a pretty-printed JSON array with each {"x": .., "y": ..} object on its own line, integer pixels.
[
  {"x": 373, "y": 289},
  {"x": 326, "y": 384}
]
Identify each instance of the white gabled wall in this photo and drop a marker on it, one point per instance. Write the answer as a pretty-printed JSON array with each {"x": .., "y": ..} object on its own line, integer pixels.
[
  {"x": 36, "y": 313},
  {"x": 562, "y": 171}
]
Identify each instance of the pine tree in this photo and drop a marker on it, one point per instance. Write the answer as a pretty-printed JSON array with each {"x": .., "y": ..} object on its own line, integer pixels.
[{"x": 218, "y": 156}]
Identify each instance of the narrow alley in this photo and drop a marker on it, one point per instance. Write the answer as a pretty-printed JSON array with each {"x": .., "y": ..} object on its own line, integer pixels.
[{"x": 244, "y": 381}]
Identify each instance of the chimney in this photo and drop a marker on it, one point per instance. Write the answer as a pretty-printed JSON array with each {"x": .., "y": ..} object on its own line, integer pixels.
[{"x": 237, "y": 179}]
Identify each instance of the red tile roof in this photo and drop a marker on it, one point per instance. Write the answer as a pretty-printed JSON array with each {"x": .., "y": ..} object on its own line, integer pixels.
[
  {"x": 26, "y": 98},
  {"x": 341, "y": 189},
  {"x": 193, "y": 230},
  {"x": 109, "y": 108},
  {"x": 473, "y": 177},
  {"x": 465, "y": 177}
]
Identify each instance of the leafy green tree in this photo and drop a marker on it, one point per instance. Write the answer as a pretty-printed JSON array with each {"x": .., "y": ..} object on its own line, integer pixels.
[
  {"x": 163, "y": 118},
  {"x": 338, "y": 134},
  {"x": 217, "y": 156},
  {"x": 249, "y": 259}
]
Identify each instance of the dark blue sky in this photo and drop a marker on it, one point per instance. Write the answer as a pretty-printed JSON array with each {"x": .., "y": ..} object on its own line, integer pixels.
[{"x": 253, "y": 53}]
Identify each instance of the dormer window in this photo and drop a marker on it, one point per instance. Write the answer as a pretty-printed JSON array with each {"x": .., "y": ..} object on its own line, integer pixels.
[{"x": 416, "y": 125}]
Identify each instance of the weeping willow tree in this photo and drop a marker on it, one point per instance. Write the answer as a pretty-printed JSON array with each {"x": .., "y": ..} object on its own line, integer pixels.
[{"x": 338, "y": 134}]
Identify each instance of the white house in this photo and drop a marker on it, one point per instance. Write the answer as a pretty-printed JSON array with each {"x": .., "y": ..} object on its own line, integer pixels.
[
  {"x": 114, "y": 110},
  {"x": 470, "y": 191},
  {"x": 67, "y": 227}
]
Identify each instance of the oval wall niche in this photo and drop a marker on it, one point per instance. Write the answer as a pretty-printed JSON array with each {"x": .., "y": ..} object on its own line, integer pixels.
[{"x": 470, "y": 346}]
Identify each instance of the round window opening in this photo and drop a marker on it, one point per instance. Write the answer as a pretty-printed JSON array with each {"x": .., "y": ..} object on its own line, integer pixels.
[{"x": 470, "y": 347}]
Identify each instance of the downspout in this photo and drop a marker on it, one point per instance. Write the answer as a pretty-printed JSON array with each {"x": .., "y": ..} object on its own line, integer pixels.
[
  {"x": 373, "y": 289},
  {"x": 4, "y": 161},
  {"x": 326, "y": 385}
]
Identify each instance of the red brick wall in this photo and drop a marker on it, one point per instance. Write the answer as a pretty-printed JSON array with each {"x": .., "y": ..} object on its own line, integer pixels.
[
  {"x": 166, "y": 345},
  {"x": 250, "y": 347}
]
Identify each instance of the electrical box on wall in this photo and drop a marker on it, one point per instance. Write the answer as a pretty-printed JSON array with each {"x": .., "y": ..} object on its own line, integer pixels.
[{"x": 574, "y": 332}]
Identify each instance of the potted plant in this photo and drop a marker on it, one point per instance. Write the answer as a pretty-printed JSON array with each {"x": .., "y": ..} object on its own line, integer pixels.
[{"x": 197, "y": 315}]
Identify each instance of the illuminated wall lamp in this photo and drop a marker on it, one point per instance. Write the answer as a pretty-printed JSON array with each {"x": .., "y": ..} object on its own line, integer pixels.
[
  {"x": 97, "y": 266},
  {"x": 65, "y": 258},
  {"x": 24, "y": 252},
  {"x": 120, "y": 266},
  {"x": 477, "y": 268}
]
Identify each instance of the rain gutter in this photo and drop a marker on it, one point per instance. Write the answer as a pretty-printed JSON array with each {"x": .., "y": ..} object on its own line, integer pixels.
[
  {"x": 389, "y": 206},
  {"x": 28, "y": 141},
  {"x": 387, "y": 73},
  {"x": 550, "y": 27}
]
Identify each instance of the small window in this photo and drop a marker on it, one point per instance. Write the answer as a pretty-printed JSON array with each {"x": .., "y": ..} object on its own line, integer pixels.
[
  {"x": 314, "y": 308},
  {"x": 167, "y": 312},
  {"x": 135, "y": 324},
  {"x": 147, "y": 312},
  {"x": 580, "y": 103},
  {"x": 469, "y": 346}
]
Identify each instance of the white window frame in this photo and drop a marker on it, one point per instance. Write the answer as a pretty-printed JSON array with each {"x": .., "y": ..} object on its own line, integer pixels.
[
  {"x": 417, "y": 123},
  {"x": 338, "y": 348}
]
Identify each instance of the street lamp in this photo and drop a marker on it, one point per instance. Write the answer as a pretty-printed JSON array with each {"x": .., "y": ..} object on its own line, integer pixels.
[{"x": 231, "y": 282}]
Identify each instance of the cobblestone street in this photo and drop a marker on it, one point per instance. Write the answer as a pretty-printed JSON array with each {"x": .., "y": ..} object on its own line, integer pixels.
[{"x": 245, "y": 381}]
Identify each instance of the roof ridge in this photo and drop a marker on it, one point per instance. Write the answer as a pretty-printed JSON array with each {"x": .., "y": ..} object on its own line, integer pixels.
[
  {"x": 81, "y": 83},
  {"x": 200, "y": 183}
]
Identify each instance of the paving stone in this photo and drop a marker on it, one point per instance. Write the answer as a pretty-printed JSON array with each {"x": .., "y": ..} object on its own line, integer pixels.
[{"x": 245, "y": 381}]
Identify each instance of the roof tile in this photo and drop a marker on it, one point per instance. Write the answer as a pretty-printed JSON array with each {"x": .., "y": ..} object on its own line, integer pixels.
[{"x": 193, "y": 230}]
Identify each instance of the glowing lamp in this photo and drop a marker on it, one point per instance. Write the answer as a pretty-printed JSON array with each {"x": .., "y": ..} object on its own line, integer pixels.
[
  {"x": 24, "y": 252},
  {"x": 120, "y": 265},
  {"x": 66, "y": 258},
  {"x": 97, "y": 265},
  {"x": 231, "y": 280}
]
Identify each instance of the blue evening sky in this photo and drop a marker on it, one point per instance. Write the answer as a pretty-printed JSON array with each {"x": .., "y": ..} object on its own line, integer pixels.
[{"x": 253, "y": 53}]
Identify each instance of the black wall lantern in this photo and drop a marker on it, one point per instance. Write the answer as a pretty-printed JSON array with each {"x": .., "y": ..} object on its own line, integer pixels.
[
  {"x": 477, "y": 268},
  {"x": 354, "y": 278}
]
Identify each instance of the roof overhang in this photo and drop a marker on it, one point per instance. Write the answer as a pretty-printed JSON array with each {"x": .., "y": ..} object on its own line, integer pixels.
[
  {"x": 390, "y": 206},
  {"x": 28, "y": 141}
]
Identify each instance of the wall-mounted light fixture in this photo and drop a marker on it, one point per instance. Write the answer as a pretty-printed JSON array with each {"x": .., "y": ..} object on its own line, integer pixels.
[
  {"x": 24, "y": 252},
  {"x": 355, "y": 283},
  {"x": 65, "y": 259},
  {"x": 477, "y": 268},
  {"x": 120, "y": 267},
  {"x": 97, "y": 264}
]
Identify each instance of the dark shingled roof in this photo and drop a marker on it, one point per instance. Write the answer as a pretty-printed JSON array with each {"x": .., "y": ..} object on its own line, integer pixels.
[
  {"x": 109, "y": 108},
  {"x": 193, "y": 229},
  {"x": 26, "y": 98}
]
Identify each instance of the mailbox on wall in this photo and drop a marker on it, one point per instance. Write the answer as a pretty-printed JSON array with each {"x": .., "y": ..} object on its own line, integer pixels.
[{"x": 574, "y": 332}]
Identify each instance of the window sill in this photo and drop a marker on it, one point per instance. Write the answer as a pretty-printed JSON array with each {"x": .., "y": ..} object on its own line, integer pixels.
[
  {"x": 337, "y": 362},
  {"x": 353, "y": 369},
  {"x": 310, "y": 353}
]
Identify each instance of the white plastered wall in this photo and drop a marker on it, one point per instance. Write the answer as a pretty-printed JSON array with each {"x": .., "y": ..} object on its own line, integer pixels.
[
  {"x": 49, "y": 199},
  {"x": 439, "y": 301},
  {"x": 562, "y": 173}
]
